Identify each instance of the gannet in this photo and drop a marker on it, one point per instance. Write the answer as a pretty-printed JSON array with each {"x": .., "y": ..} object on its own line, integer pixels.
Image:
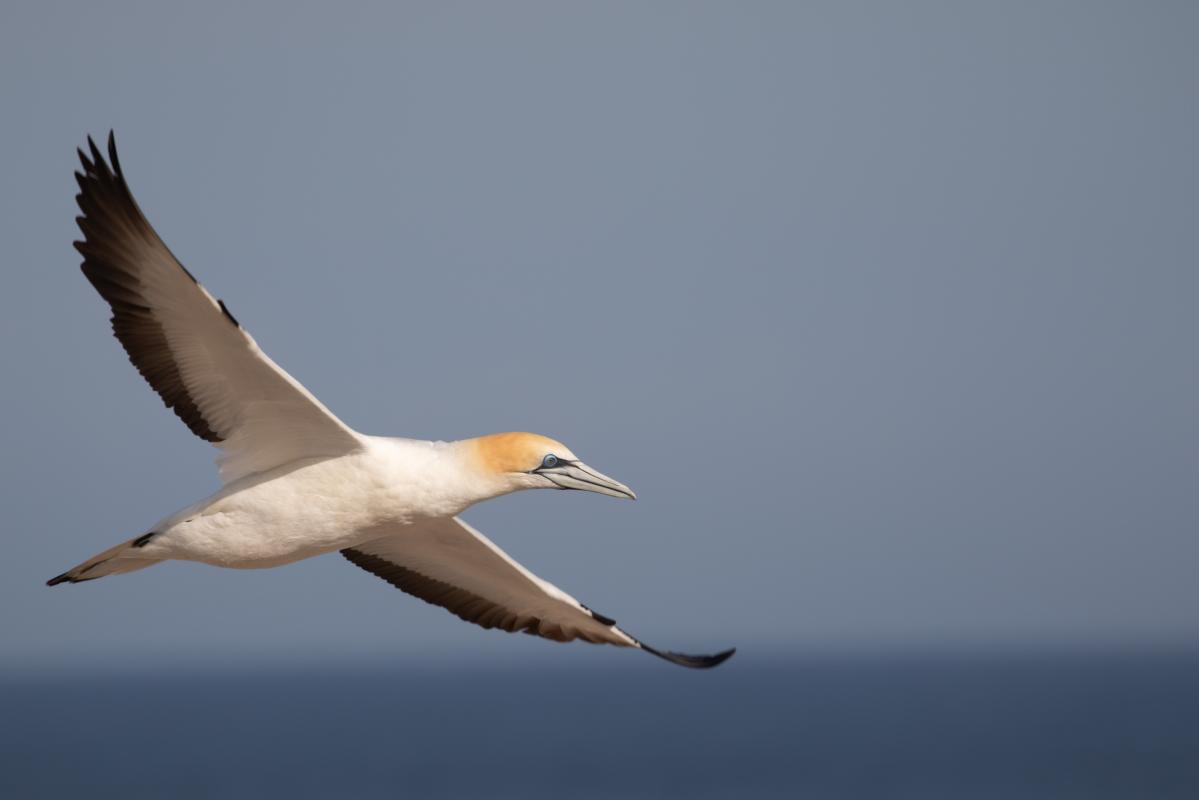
[{"x": 297, "y": 481}]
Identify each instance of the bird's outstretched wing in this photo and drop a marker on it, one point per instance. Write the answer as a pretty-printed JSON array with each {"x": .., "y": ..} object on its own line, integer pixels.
[
  {"x": 450, "y": 564},
  {"x": 187, "y": 345}
]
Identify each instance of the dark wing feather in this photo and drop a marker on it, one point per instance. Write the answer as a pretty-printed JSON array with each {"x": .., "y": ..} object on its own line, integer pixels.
[{"x": 117, "y": 239}]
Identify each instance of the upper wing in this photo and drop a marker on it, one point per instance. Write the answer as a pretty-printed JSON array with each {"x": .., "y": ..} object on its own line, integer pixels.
[
  {"x": 187, "y": 345},
  {"x": 448, "y": 563}
]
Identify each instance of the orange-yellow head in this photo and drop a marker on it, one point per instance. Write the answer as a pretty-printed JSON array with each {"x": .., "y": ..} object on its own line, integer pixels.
[{"x": 532, "y": 461}]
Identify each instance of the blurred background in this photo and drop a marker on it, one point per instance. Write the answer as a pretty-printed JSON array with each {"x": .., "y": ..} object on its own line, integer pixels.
[{"x": 887, "y": 312}]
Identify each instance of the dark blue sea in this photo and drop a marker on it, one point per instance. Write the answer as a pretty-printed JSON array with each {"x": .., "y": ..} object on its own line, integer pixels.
[{"x": 1026, "y": 725}]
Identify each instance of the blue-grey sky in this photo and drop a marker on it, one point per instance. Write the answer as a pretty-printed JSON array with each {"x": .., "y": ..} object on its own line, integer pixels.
[{"x": 887, "y": 311}]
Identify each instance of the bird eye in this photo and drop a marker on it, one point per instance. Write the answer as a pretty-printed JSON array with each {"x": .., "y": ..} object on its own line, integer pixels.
[{"x": 550, "y": 460}]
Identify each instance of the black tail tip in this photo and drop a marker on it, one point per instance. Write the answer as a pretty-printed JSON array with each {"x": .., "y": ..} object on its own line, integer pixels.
[{"x": 690, "y": 661}]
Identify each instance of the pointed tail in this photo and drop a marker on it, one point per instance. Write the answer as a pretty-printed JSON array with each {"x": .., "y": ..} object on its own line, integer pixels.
[{"x": 125, "y": 557}]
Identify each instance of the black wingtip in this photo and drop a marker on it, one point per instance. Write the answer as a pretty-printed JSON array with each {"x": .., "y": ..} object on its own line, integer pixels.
[
  {"x": 96, "y": 163},
  {"x": 57, "y": 579},
  {"x": 97, "y": 159},
  {"x": 112, "y": 153},
  {"x": 693, "y": 662}
]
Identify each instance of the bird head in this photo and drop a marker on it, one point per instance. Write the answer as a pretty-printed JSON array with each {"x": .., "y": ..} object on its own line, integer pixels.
[{"x": 530, "y": 461}]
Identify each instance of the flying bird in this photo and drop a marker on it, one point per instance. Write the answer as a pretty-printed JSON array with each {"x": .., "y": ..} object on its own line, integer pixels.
[{"x": 298, "y": 482}]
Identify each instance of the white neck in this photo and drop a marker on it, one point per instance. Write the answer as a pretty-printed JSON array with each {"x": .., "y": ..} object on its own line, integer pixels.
[{"x": 438, "y": 478}]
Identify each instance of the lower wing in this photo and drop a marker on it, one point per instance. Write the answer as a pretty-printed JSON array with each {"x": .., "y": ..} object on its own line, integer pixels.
[{"x": 450, "y": 564}]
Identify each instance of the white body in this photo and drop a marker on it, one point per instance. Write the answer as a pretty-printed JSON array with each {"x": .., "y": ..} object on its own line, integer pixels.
[{"x": 316, "y": 506}]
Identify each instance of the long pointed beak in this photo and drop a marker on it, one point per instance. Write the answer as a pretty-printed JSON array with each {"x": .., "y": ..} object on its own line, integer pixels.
[{"x": 577, "y": 475}]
